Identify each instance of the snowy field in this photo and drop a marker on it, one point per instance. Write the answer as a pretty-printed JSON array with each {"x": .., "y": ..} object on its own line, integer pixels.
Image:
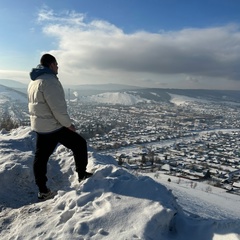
[{"x": 113, "y": 204}]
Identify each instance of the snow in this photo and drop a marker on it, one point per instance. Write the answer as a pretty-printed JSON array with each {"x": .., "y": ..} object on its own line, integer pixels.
[
  {"x": 122, "y": 98},
  {"x": 115, "y": 203},
  {"x": 184, "y": 100},
  {"x": 7, "y": 94}
]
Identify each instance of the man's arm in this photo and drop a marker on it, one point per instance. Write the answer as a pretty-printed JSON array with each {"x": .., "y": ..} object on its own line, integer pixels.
[{"x": 72, "y": 128}]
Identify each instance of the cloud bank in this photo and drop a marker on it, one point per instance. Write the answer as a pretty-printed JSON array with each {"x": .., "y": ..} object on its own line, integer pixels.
[{"x": 97, "y": 51}]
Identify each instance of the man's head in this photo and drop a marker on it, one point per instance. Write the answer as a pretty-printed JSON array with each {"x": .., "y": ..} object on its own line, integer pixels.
[{"x": 47, "y": 60}]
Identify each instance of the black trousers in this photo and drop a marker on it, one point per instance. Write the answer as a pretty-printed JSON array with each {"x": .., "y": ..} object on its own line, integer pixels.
[{"x": 45, "y": 146}]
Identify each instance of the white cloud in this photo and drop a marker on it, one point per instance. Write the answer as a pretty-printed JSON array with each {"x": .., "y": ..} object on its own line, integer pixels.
[{"x": 98, "y": 51}]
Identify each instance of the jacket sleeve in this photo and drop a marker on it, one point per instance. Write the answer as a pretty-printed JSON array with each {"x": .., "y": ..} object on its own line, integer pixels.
[{"x": 55, "y": 98}]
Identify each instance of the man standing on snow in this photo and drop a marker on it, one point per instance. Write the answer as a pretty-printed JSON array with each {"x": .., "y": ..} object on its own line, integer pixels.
[{"x": 52, "y": 124}]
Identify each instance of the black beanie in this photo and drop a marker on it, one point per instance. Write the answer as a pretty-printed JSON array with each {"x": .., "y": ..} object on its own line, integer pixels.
[{"x": 47, "y": 59}]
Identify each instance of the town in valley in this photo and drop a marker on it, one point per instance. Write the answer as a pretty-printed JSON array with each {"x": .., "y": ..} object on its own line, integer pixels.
[{"x": 183, "y": 136}]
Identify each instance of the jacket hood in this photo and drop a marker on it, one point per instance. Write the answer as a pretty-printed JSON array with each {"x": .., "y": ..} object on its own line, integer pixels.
[{"x": 40, "y": 70}]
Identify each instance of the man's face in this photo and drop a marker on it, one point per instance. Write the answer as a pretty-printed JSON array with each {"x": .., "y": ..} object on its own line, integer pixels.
[{"x": 54, "y": 67}]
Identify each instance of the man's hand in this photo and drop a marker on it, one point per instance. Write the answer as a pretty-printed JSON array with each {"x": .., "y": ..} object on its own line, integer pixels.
[{"x": 72, "y": 128}]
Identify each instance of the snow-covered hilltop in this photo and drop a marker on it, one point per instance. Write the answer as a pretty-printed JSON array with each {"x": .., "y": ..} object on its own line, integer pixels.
[
  {"x": 113, "y": 204},
  {"x": 122, "y": 98}
]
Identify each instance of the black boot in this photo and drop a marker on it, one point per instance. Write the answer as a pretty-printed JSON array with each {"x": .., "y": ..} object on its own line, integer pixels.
[{"x": 83, "y": 176}]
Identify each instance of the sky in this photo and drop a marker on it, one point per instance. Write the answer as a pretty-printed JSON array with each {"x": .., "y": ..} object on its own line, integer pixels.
[{"x": 145, "y": 43}]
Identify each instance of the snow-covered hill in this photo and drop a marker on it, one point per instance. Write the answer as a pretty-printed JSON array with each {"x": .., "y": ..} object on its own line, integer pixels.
[
  {"x": 122, "y": 98},
  {"x": 9, "y": 94},
  {"x": 13, "y": 104},
  {"x": 128, "y": 97},
  {"x": 12, "y": 83},
  {"x": 114, "y": 203},
  {"x": 182, "y": 100}
]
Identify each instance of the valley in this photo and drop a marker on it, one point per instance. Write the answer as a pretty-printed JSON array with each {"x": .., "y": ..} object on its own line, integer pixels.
[{"x": 155, "y": 131}]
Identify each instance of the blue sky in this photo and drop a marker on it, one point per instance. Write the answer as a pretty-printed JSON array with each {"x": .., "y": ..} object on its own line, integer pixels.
[{"x": 149, "y": 43}]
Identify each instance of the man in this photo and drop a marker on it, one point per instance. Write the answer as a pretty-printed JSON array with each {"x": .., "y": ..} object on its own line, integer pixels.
[{"x": 52, "y": 124}]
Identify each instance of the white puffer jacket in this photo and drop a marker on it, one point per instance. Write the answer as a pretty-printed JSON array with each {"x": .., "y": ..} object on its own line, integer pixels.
[{"x": 46, "y": 102}]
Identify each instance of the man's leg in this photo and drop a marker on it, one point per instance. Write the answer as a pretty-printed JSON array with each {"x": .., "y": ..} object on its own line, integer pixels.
[
  {"x": 45, "y": 145},
  {"x": 78, "y": 145}
]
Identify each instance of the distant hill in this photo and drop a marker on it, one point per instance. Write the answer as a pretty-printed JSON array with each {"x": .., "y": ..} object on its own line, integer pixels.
[
  {"x": 104, "y": 87},
  {"x": 8, "y": 94},
  {"x": 131, "y": 97},
  {"x": 83, "y": 90},
  {"x": 132, "y": 94},
  {"x": 87, "y": 89},
  {"x": 12, "y": 83},
  {"x": 214, "y": 95}
]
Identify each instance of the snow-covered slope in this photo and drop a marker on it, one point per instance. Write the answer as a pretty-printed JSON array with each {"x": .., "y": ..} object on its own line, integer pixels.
[
  {"x": 184, "y": 100},
  {"x": 12, "y": 83},
  {"x": 8, "y": 94},
  {"x": 113, "y": 204},
  {"x": 122, "y": 98},
  {"x": 181, "y": 99},
  {"x": 13, "y": 104}
]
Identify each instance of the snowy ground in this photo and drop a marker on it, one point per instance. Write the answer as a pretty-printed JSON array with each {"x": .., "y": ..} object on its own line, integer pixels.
[{"x": 113, "y": 204}]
